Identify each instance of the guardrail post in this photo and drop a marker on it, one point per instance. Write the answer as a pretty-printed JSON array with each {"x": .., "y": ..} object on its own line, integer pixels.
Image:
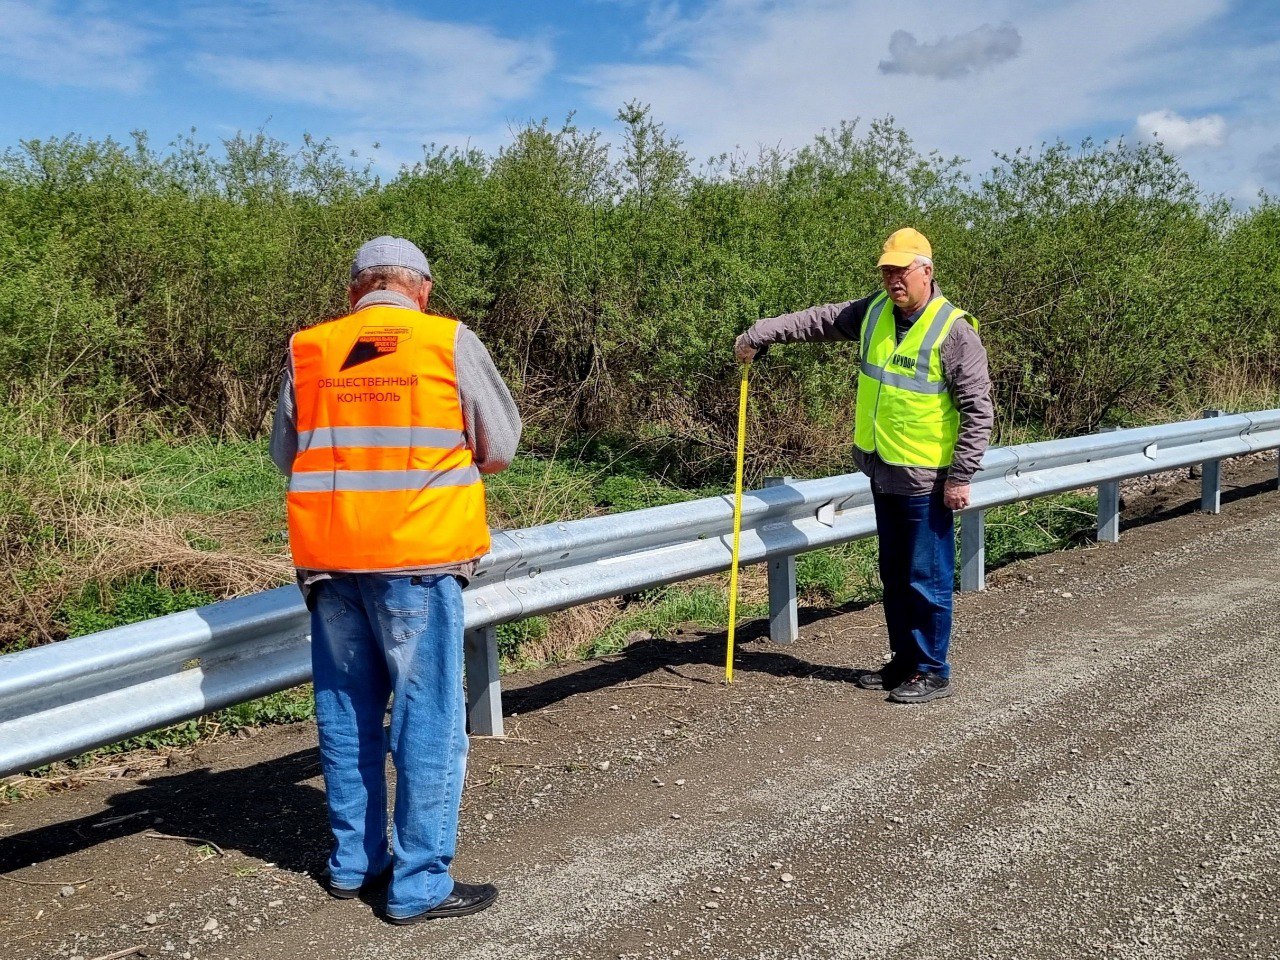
[
  {"x": 484, "y": 687},
  {"x": 973, "y": 551},
  {"x": 1109, "y": 510},
  {"x": 784, "y": 611},
  {"x": 1211, "y": 478}
]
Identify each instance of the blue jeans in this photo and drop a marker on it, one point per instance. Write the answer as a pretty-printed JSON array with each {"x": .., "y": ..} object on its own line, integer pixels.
[
  {"x": 376, "y": 638},
  {"x": 918, "y": 569}
]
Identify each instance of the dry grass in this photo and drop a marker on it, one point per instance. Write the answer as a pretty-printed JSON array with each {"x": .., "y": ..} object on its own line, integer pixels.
[
  {"x": 105, "y": 768},
  {"x": 570, "y": 631},
  {"x": 70, "y": 519},
  {"x": 103, "y": 548},
  {"x": 163, "y": 546}
]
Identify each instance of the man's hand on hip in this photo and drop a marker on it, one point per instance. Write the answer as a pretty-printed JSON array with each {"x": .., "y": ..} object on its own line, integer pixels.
[
  {"x": 742, "y": 350},
  {"x": 955, "y": 495}
]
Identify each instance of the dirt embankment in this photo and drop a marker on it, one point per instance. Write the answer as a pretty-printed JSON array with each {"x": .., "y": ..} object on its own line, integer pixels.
[{"x": 1106, "y": 783}]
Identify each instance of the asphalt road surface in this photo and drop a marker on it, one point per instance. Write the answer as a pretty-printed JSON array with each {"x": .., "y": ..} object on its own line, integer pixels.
[{"x": 1105, "y": 783}]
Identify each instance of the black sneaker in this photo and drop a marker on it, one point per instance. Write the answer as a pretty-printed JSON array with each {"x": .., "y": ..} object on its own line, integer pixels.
[
  {"x": 886, "y": 678},
  {"x": 465, "y": 898},
  {"x": 921, "y": 688}
]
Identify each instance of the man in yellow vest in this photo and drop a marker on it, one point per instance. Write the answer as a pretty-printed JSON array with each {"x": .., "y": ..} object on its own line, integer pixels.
[
  {"x": 386, "y": 420},
  {"x": 923, "y": 418}
]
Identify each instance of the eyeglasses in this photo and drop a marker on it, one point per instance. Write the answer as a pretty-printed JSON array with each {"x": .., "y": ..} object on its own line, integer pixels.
[{"x": 898, "y": 273}]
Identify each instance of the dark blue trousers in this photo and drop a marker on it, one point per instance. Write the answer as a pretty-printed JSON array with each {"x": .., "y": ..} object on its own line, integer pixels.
[{"x": 918, "y": 569}]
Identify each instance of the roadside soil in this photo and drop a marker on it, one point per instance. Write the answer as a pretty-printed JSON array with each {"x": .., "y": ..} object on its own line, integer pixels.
[{"x": 1104, "y": 783}]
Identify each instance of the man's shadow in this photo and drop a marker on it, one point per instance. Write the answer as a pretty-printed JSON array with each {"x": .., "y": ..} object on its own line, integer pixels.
[
  {"x": 264, "y": 810},
  {"x": 754, "y": 653},
  {"x": 1169, "y": 505}
]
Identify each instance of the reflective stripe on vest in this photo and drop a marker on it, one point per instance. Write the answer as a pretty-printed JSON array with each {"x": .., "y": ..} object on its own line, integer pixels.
[
  {"x": 383, "y": 479},
  {"x": 904, "y": 412},
  {"x": 325, "y": 437}
]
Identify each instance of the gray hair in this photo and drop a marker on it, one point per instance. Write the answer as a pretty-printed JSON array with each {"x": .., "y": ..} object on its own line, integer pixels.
[
  {"x": 921, "y": 258},
  {"x": 380, "y": 278}
]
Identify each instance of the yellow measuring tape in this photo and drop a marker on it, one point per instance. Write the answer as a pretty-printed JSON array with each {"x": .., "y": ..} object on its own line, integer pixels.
[{"x": 737, "y": 523}]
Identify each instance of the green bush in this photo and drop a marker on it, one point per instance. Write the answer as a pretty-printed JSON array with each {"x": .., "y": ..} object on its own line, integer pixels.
[{"x": 141, "y": 283}]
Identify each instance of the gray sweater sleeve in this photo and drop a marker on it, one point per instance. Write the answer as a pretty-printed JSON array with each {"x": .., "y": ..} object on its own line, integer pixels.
[
  {"x": 284, "y": 429},
  {"x": 831, "y": 321},
  {"x": 964, "y": 368},
  {"x": 489, "y": 414}
]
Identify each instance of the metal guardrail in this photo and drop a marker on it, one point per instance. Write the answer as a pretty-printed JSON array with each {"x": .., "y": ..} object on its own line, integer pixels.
[{"x": 59, "y": 700}]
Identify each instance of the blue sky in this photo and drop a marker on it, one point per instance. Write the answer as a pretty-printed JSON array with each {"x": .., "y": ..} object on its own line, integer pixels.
[{"x": 965, "y": 78}]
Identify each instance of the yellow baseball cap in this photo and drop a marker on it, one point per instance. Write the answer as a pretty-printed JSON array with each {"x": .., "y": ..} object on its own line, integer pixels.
[{"x": 903, "y": 246}]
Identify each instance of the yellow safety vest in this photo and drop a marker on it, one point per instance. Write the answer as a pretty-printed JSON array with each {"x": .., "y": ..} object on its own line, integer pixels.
[{"x": 905, "y": 413}]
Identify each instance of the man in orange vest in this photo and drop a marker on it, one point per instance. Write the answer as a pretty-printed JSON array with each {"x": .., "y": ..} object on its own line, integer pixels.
[{"x": 386, "y": 420}]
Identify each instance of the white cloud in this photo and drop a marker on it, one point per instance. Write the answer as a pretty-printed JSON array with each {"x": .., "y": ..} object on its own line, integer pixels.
[
  {"x": 952, "y": 57},
  {"x": 317, "y": 84},
  {"x": 367, "y": 61},
  {"x": 664, "y": 25},
  {"x": 744, "y": 72},
  {"x": 1178, "y": 133},
  {"x": 79, "y": 48}
]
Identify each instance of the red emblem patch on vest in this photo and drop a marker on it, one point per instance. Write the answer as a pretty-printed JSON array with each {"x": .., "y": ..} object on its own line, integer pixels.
[{"x": 374, "y": 342}]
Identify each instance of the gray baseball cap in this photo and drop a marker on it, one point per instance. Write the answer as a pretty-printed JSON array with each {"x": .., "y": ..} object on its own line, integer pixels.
[{"x": 390, "y": 252}]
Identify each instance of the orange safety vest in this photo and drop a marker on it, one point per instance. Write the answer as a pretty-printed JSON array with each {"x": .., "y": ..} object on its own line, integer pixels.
[{"x": 383, "y": 479}]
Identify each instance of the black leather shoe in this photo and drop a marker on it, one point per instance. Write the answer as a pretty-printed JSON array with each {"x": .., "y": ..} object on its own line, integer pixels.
[
  {"x": 921, "y": 688},
  {"x": 465, "y": 898},
  {"x": 350, "y": 893},
  {"x": 886, "y": 678}
]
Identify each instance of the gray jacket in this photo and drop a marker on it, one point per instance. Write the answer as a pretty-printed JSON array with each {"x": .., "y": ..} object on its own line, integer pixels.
[
  {"x": 491, "y": 422},
  {"x": 964, "y": 368}
]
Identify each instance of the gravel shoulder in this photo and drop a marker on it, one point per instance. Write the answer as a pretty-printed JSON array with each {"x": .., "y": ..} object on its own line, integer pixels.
[{"x": 1106, "y": 783}]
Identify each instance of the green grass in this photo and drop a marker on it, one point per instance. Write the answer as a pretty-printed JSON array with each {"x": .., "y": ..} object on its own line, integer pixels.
[
  {"x": 582, "y": 481},
  {"x": 169, "y": 475},
  {"x": 840, "y": 575},
  {"x": 94, "y": 535},
  {"x": 1033, "y": 527},
  {"x": 101, "y": 607},
  {"x": 515, "y": 636},
  {"x": 660, "y": 610},
  {"x": 200, "y": 477}
]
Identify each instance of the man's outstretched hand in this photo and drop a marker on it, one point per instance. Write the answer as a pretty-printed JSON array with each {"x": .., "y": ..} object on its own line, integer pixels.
[{"x": 743, "y": 351}]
